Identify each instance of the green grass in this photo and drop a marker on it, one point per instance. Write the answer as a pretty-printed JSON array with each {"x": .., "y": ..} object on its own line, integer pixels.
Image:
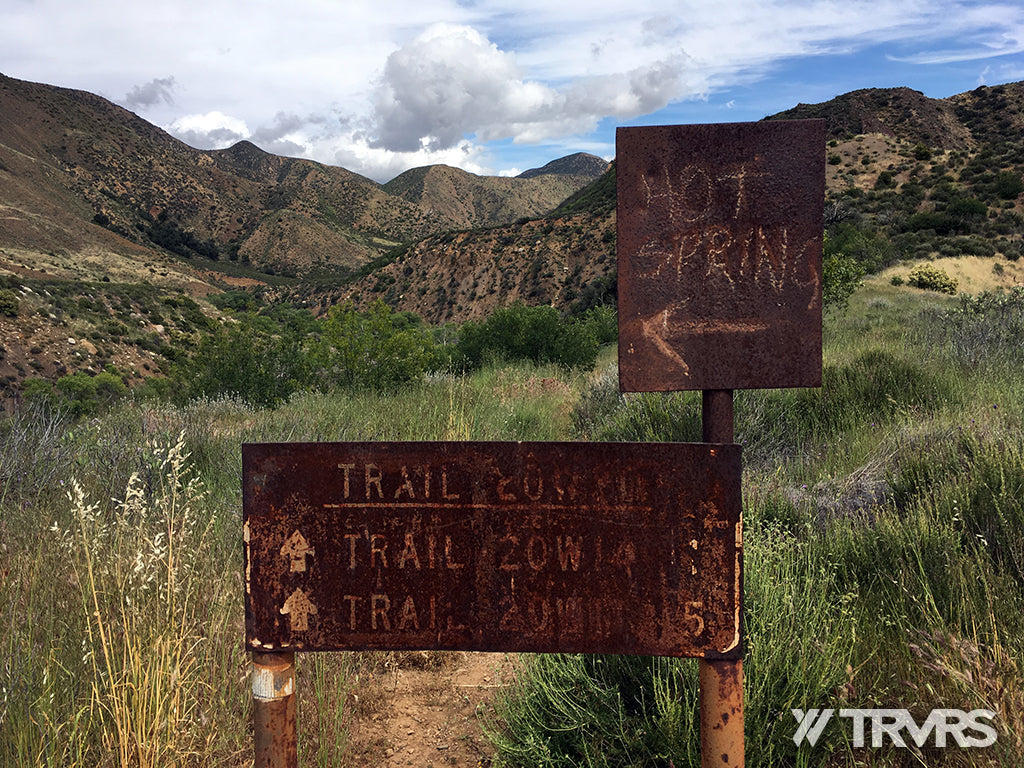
[
  {"x": 882, "y": 552},
  {"x": 120, "y": 595},
  {"x": 884, "y": 561}
]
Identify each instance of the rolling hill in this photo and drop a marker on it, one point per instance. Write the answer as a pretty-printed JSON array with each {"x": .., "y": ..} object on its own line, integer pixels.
[
  {"x": 90, "y": 189},
  {"x": 111, "y": 230},
  {"x": 908, "y": 178}
]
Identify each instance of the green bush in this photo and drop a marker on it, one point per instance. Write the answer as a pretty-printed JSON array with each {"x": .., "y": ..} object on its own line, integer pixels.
[
  {"x": 841, "y": 276},
  {"x": 932, "y": 278},
  {"x": 868, "y": 247},
  {"x": 86, "y": 394},
  {"x": 604, "y": 322},
  {"x": 1009, "y": 185},
  {"x": 241, "y": 361},
  {"x": 78, "y": 394},
  {"x": 378, "y": 349},
  {"x": 9, "y": 303},
  {"x": 538, "y": 334}
]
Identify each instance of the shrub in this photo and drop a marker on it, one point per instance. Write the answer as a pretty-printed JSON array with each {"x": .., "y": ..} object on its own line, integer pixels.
[
  {"x": 966, "y": 208},
  {"x": 9, "y": 303},
  {"x": 85, "y": 394},
  {"x": 868, "y": 247},
  {"x": 939, "y": 223},
  {"x": 932, "y": 278},
  {"x": 377, "y": 349},
  {"x": 38, "y": 391},
  {"x": 539, "y": 334},
  {"x": 1009, "y": 185},
  {"x": 239, "y": 360},
  {"x": 604, "y": 322},
  {"x": 841, "y": 276}
]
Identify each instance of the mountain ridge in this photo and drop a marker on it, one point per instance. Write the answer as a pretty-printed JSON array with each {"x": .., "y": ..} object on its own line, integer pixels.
[
  {"x": 894, "y": 158},
  {"x": 74, "y": 163},
  {"x": 109, "y": 227}
]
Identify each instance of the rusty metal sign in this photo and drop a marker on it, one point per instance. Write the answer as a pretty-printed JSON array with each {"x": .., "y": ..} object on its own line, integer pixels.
[
  {"x": 719, "y": 245},
  {"x": 549, "y": 547}
]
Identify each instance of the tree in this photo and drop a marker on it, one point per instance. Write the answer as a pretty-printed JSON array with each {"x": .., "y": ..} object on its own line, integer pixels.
[
  {"x": 377, "y": 349},
  {"x": 238, "y": 360}
]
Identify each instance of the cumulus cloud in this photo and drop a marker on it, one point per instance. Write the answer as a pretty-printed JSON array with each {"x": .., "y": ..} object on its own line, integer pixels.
[
  {"x": 289, "y": 134},
  {"x": 451, "y": 82},
  {"x": 446, "y": 82},
  {"x": 159, "y": 90},
  {"x": 355, "y": 152},
  {"x": 213, "y": 130},
  {"x": 417, "y": 92}
]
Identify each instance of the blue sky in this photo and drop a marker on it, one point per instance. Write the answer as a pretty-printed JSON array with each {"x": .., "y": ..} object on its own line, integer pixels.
[{"x": 492, "y": 86}]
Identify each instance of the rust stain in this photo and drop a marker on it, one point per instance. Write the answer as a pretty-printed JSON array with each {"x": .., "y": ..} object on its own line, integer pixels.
[
  {"x": 547, "y": 547},
  {"x": 721, "y": 713},
  {"x": 719, "y": 242}
]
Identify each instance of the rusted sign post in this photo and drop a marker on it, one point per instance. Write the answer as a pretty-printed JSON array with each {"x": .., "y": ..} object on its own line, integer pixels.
[
  {"x": 547, "y": 547},
  {"x": 543, "y": 547},
  {"x": 568, "y": 547},
  {"x": 719, "y": 245}
]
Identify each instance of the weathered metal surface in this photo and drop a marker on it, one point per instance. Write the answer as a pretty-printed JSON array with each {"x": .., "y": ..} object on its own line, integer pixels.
[
  {"x": 549, "y": 547},
  {"x": 719, "y": 246},
  {"x": 721, "y": 713},
  {"x": 721, "y": 680},
  {"x": 275, "y": 737}
]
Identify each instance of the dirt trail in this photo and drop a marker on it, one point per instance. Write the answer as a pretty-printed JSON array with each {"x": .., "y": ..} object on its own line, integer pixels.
[{"x": 432, "y": 717}]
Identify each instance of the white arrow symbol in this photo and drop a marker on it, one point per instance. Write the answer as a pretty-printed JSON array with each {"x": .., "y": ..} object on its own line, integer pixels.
[
  {"x": 296, "y": 549},
  {"x": 298, "y": 607}
]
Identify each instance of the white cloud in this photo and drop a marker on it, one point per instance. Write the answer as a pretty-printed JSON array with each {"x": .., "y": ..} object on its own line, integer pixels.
[
  {"x": 420, "y": 81},
  {"x": 213, "y": 130},
  {"x": 445, "y": 83},
  {"x": 450, "y": 82},
  {"x": 354, "y": 152}
]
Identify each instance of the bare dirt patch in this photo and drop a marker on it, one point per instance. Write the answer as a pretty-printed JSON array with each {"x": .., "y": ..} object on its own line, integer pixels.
[{"x": 430, "y": 712}]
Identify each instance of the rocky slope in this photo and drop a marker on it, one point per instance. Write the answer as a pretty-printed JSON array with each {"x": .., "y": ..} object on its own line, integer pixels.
[{"x": 896, "y": 160}]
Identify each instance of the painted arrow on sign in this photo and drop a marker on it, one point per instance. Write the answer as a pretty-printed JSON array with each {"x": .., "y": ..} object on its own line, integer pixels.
[
  {"x": 296, "y": 549},
  {"x": 297, "y": 608}
]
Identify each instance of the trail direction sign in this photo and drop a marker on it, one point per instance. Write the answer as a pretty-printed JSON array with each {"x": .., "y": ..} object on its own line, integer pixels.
[
  {"x": 550, "y": 547},
  {"x": 632, "y": 548},
  {"x": 719, "y": 243}
]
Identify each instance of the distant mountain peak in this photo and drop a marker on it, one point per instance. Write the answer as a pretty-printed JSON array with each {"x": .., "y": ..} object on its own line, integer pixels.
[{"x": 578, "y": 164}]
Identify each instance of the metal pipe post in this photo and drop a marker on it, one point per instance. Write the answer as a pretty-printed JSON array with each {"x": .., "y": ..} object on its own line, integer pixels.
[
  {"x": 273, "y": 697},
  {"x": 721, "y": 680}
]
